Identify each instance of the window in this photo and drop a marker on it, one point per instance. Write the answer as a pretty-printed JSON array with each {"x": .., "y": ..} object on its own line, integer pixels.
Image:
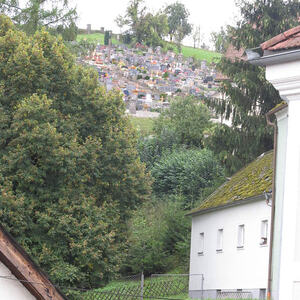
[
  {"x": 241, "y": 236},
  {"x": 201, "y": 244},
  {"x": 264, "y": 233},
  {"x": 220, "y": 240}
]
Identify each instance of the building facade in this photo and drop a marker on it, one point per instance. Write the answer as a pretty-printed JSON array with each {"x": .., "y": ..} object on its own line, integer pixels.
[
  {"x": 281, "y": 56},
  {"x": 230, "y": 237}
]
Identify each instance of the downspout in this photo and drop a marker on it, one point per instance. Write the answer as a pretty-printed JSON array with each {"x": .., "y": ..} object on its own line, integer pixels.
[{"x": 274, "y": 125}]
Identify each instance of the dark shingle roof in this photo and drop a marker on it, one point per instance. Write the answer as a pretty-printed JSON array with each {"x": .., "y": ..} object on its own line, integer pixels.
[{"x": 253, "y": 180}]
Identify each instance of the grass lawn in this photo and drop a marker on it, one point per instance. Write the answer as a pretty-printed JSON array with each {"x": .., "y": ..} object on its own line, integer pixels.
[
  {"x": 95, "y": 37},
  {"x": 144, "y": 126},
  {"x": 201, "y": 54}
]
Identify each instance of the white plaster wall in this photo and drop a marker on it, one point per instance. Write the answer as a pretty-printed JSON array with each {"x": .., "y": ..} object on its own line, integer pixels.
[
  {"x": 233, "y": 268},
  {"x": 286, "y": 266},
  {"x": 12, "y": 289}
]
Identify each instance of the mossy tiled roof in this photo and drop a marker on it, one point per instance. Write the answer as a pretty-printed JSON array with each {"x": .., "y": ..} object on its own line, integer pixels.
[{"x": 253, "y": 180}]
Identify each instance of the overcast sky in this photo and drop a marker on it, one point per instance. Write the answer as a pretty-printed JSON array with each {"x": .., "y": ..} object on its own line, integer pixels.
[{"x": 209, "y": 14}]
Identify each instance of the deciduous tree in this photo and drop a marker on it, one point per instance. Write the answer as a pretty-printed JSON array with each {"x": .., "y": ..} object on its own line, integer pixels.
[
  {"x": 33, "y": 14},
  {"x": 179, "y": 27},
  {"x": 69, "y": 168}
]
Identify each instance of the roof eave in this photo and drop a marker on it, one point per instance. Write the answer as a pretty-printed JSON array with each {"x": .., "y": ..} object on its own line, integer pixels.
[
  {"x": 276, "y": 58},
  {"x": 232, "y": 204}
]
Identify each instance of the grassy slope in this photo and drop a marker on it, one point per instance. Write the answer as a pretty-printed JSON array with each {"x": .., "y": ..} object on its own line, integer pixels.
[
  {"x": 199, "y": 54},
  {"x": 95, "y": 37},
  {"x": 143, "y": 125}
]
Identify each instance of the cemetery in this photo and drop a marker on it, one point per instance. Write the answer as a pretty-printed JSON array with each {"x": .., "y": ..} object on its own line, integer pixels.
[{"x": 147, "y": 77}]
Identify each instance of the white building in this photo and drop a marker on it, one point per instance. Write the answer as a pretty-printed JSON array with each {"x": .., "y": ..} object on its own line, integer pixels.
[
  {"x": 230, "y": 236},
  {"x": 281, "y": 56}
]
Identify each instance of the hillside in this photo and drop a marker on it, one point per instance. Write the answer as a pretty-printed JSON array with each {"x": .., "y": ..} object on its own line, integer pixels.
[{"x": 198, "y": 53}]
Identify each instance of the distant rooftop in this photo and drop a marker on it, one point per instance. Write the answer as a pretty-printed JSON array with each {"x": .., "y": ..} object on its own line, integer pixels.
[{"x": 249, "y": 183}]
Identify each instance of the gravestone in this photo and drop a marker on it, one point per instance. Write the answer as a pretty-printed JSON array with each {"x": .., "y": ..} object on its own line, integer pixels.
[
  {"x": 132, "y": 107},
  {"x": 203, "y": 65}
]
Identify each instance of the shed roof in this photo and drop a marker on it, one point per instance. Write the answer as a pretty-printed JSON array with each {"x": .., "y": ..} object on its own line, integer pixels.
[
  {"x": 250, "y": 182},
  {"x": 286, "y": 40}
]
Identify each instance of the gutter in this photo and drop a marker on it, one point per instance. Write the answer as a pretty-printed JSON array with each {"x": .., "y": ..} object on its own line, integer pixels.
[
  {"x": 273, "y": 59},
  {"x": 274, "y": 125}
]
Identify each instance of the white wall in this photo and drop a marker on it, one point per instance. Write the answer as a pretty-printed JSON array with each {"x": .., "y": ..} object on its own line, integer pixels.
[
  {"x": 286, "y": 262},
  {"x": 12, "y": 289},
  {"x": 233, "y": 268}
]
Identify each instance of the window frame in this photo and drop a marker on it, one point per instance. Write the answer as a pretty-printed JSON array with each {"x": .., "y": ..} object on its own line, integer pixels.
[
  {"x": 220, "y": 239},
  {"x": 241, "y": 236},
  {"x": 264, "y": 232},
  {"x": 201, "y": 244}
]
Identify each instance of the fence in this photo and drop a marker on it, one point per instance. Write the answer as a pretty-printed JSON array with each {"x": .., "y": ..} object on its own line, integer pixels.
[
  {"x": 157, "y": 287},
  {"x": 161, "y": 286},
  {"x": 234, "y": 295}
]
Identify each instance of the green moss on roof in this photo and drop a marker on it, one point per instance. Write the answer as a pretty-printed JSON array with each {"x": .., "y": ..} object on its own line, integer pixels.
[{"x": 252, "y": 180}]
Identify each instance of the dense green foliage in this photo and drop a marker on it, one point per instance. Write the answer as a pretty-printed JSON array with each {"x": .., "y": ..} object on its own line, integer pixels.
[
  {"x": 144, "y": 27},
  {"x": 69, "y": 169},
  {"x": 152, "y": 148},
  {"x": 246, "y": 103},
  {"x": 187, "y": 118},
  {"x": 31, "y": 15},
  {"x": 183, "y": 176},
  {"x": 158, "y": 237},
  {"x": 186, "y": 172},
  {"x": 179, "y": 27}
]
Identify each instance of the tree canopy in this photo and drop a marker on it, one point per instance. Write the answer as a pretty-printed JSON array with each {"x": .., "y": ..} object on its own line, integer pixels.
[
  {"x": 144, "y": 26},
  {"x": 187, "y": 118},
  {"x": 69, "y": 168},
  {"x": 33, "y": 14},
  {"x": 179, "y": 27}
]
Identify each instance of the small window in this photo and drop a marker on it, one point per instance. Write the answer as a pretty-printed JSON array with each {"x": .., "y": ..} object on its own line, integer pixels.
[
  {"x": 241, "y": 236},
  {"x": 201, "y": 244},
  {"x": 220, "y": 240},
  {"x": 264, "y": 233}
]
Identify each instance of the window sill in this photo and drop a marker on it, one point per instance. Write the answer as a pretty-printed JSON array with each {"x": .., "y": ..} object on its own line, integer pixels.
[
  {"x": 240, "y": 247},
  {"x": 200, "y": 253},
  {"x": 219, "y": 250}
]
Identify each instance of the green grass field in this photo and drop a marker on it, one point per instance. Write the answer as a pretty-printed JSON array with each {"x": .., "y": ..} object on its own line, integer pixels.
[
  {"x": 200, "y": 54},
  {"x": 144, "y": 126},
  {"x": 95, "y": 37}
]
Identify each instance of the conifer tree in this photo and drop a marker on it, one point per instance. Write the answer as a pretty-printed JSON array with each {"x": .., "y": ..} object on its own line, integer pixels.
[{"x": 249, "y": 95}]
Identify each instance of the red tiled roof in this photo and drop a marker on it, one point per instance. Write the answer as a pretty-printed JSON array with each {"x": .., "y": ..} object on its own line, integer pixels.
[
  {"x": 232, "y": 53},
  {"x": 287, "y": 40}
]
